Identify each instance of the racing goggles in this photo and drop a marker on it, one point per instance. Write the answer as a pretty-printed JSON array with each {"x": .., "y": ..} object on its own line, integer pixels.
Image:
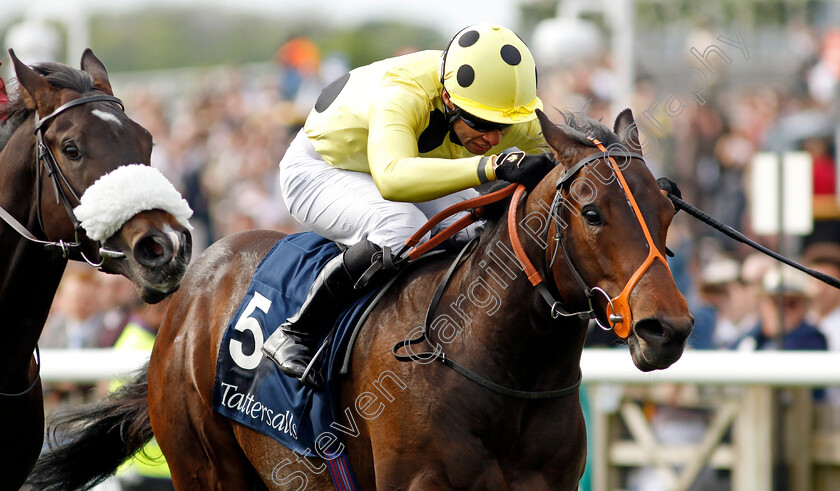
[{"x": 477, "y": 123}]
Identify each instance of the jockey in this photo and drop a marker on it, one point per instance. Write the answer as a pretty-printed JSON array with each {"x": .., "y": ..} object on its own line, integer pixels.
[{"x": 389, "y": 145}]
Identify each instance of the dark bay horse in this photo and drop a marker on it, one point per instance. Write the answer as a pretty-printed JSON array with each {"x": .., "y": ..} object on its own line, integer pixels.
[
  {"x": 593, "y": 225},
  {"x": 73, "y": 122}
]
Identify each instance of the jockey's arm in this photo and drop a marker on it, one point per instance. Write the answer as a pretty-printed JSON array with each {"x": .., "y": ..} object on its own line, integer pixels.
[{"x": 398, "y": 170}]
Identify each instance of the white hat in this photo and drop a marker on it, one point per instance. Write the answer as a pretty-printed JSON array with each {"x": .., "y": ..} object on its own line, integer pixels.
[{"x": 785, "y": 280}]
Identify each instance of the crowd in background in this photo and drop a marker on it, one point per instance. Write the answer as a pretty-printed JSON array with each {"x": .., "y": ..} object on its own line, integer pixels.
[{"x": 220, "y": 140}]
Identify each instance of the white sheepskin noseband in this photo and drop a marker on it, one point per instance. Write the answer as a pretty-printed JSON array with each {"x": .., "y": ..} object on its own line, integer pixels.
[{"x": 124, "y": 192}]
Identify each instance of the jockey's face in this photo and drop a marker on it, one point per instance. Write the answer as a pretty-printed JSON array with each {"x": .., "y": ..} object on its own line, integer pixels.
[{"x": 476, "y": 142}]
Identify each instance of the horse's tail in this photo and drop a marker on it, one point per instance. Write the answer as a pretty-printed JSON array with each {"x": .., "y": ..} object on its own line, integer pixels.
[{"x": 88, "y": 443}]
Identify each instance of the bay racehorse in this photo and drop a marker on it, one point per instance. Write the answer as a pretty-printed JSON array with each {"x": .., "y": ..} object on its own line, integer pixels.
[
  {"x": 594, "y": 228},
  {"x": 64, "y": 130}
]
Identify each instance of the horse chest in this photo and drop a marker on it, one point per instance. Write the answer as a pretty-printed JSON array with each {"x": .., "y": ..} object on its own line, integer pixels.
[{"x": 511, "y": 450}]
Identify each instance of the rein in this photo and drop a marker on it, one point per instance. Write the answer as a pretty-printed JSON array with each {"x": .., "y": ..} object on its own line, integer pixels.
[
  {"x": 618, "y": 308},
  {"x": 54, "y": 172},
  {"x": 440, "y": 356},
  {"x": 34, "y": 382}
]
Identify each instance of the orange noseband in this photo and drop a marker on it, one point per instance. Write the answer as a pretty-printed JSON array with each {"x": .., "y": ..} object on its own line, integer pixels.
[
  {"x": 618, "y": 309},
  {"x": 620, "y": 305}
]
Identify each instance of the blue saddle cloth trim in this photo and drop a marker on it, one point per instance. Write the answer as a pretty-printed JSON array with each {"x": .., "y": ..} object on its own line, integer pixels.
[{"x": 249, "y": 389}]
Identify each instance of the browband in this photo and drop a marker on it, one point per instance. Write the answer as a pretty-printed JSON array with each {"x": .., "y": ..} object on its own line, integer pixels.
[
  {"x": 75, "y": 102},
  {"x": 595, "y": 156}
]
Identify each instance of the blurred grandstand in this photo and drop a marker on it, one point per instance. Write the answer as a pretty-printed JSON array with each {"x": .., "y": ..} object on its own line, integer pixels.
[{"x": 710, "y": 83}]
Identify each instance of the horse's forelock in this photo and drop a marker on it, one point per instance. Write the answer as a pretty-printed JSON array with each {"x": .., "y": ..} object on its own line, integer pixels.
[
  {"x": 64, "y": 77},
  {"x": 580, "y": 127},
  {"x": 577, "y": 126}
]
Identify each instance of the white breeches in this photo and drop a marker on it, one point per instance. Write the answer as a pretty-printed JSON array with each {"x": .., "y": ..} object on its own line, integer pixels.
[{"x": 346, "y": 206}]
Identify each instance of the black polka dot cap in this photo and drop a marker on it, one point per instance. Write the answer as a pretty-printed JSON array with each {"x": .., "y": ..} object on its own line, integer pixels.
[{"x": 489, "y": 72}]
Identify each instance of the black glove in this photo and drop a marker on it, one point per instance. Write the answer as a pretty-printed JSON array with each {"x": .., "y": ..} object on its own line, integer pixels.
[
  {"x": 525, "y": 169},
  {"x": 670, "y": 187}
]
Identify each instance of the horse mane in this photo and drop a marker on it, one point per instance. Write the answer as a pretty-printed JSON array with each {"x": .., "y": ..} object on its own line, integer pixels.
[
  {"x": 581, "y": 127},
  {"x": 577, "y": 126},
  {"x": 59, "y": 76}
]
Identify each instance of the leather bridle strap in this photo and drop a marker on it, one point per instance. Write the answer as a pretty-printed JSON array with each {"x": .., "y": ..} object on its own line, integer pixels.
[
  {"x": 620, "y": 305},
  {"x": 534, "y": 276},
  {"x": 438, "y": 354},
  {"x": 45, "y": 156},
  {"x": 618, "y": 308},
  {"x": 76, "y": 102},
  {"x": 26, "y": 234}
]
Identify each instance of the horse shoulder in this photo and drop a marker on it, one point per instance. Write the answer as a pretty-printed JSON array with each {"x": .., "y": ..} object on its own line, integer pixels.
[
  {"x": 201, "y": 309},
  {"x": 379, "y": 396}
]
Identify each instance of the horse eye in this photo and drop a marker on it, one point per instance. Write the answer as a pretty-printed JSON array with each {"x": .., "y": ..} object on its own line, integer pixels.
[
  {"x": 592, "y": 215},
  {"x": 72, "y": 151}
]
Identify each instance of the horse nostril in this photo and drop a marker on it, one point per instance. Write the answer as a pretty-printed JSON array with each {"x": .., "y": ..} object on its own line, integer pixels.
[
  {"x": 153, "y": 250},
  {"x": 652, "y": 330}
]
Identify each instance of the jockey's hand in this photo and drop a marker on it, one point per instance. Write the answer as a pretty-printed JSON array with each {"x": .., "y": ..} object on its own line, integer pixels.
[
  {"x": 524, "y": 169},
  {"x": 669, "y": 187}
]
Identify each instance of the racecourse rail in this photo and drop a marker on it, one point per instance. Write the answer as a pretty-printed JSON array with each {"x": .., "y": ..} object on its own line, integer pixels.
[
  {"x": 779, "y": 369},
  {"x": 745, "y": 395}
]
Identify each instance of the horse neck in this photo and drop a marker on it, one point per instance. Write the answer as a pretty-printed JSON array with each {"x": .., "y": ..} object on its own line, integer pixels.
[
  {"x": 29, "y": 274},
  {"x": 506, "y": 323}
]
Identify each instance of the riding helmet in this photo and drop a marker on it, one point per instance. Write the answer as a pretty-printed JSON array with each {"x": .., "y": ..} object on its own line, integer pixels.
[{"x": 489, "y": 72}]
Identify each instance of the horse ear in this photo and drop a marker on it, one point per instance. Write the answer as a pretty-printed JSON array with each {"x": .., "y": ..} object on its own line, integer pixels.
[
  {"x": 37, "y": 93},
  {"x": 556, "y": 138},
  {"x": 96, "y": 69},
  {"x": 628, "y": 134}
]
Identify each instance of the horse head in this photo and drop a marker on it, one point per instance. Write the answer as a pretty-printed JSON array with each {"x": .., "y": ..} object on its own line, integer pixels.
[
  {"x": 606, "y": 240},
  {"x": 94, "y": 187}
]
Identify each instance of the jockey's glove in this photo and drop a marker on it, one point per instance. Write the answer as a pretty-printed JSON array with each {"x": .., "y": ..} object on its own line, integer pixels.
[
  {"x": 524, "y": 169},
  {"x": 670, "y": 187}
]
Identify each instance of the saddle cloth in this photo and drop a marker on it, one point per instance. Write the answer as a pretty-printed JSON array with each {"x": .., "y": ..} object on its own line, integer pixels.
[{"x": 249, "y": 389}]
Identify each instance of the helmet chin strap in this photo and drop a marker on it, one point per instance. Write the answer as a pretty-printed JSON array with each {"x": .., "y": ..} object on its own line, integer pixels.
[
  {"x": 451, "y": 116},
  {"x": 453, "y": 137}
]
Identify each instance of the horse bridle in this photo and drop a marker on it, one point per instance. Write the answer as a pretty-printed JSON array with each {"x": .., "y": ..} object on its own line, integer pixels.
[
  {"x": 46, "y": 158},
  {"x": 618, "y": 311}
]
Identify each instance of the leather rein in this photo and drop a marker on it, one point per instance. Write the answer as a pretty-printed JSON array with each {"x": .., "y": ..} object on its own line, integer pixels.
[
  {"x": 618, "y": 309},
  {"x": 59, "y": 181}
]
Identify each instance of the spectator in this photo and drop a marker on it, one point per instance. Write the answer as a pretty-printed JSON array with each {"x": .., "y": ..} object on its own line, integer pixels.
[
  {"x": 788, "y": 329},
  {"x": 746, "y": 292},
  {"x": 76, "y": 316},
  {"x": 713, "y": 325},
  {"x": 117, "y": 298},
  {"x": 75, "y": 322},
  {"x": 4, "y": 98},
  {"x": 825, "y": 308},
  {"x": 824, "y": 180}
]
